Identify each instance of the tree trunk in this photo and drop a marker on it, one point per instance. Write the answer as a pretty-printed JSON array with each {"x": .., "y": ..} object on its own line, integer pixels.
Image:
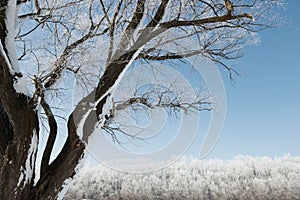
[
  {"x": 22, "y": 120},
  {"x": 19, "y": 136},
  {"x": 19, "y": 139}
]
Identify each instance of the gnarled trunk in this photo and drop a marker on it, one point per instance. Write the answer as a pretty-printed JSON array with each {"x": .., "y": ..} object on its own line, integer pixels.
[{"x": 19, "y": 139}]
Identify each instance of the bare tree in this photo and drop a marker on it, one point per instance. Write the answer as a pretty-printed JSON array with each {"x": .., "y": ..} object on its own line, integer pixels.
[{"x": 44, "y": 43}]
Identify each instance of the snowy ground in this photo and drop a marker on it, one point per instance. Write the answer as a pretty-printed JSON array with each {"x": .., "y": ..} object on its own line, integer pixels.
[{"x": 241, "y": 178}]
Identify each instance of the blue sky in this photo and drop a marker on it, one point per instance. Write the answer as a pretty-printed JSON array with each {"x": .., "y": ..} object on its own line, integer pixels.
[{"x": 263, "y": 107}]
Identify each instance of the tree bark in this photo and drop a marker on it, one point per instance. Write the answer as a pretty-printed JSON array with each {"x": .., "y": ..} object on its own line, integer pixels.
[
  {"x": 24, "y": 123},
  {"x": 21, "y": 125},
  {"x": 6, "y": 131}
]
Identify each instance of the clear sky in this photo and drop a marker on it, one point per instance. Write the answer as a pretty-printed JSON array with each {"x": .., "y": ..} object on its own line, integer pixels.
[{"x": 263, "y": 107}]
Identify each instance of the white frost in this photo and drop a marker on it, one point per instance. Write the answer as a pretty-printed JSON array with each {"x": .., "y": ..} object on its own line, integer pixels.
[{"x": 243, "y": 177}]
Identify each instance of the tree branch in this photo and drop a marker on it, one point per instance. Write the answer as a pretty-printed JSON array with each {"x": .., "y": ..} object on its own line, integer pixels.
[
  {"x": 111, "y": 33},
  {"x": 60, "y": 64},
  {"x": 159, "y": 14},
  {"x": 51, "y": 138},
  {"x": 210, "y": 6},
  {"x": 137, "y": 16},
  {"x": 224, "y": 18},
  {"x": 129, "y": 31}
]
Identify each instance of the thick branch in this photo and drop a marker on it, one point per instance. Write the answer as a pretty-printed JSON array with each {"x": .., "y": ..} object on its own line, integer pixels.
[
  {"x": 146, "y": 36},
  {"x": 51, "y": 138},
  {"x": 159, "y": 14},
  {"x": 112, "y": 73},
  {"x": 137, "y": 16},
  {"x": 224, "y": 18},
  {"x": 63, "y": 167},
  {"x": 73, "y": 148},
  {"x": 129, "y": 31}
]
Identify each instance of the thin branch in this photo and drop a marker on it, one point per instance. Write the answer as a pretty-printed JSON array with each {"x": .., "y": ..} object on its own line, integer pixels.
[
  {"x": 60, "y": 64},
  {"x": 105, "y": 12},
  {"x": 37, "y": 7},
  {"x": 210, "y": 6},
  {"x": 111, "y": 34}
]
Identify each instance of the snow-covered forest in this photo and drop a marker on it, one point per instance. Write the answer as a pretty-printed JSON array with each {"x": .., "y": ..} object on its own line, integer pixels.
[{"x": 243, "y": 177}]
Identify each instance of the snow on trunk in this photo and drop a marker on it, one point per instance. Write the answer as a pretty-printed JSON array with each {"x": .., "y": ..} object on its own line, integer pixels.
[
  {"x": 11, "y": 70},
  {"x": 20, "y": 86},
  {"x": 81, "y": 124},
  {"x": 27, "y": 172},
  {"x": 9, "y": 53},
  {"x": 10, "y": 20}
]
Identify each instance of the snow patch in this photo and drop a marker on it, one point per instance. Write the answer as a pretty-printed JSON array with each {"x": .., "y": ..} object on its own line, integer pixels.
[
  {"x": 11, "y": 70},
  {"x": 10, "y": 20},
  {"x": 81, "y": 124},
  {"x": 21, "y": 177},
  {"x": 65, "y": 187},
  {"x": 20, "y": 86},
  {"x": 30, "y": 161}
]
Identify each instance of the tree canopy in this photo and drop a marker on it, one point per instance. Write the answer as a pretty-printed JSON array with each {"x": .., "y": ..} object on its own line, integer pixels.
[{"x": 49, "y": 47}]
